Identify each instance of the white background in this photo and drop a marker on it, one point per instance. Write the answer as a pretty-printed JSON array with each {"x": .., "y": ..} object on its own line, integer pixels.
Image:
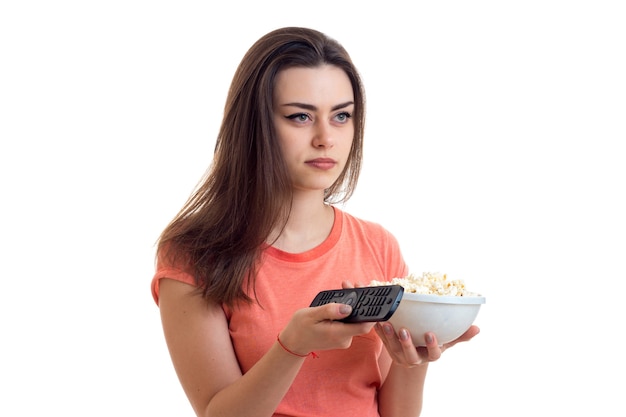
[{"x": 494, "y": 152}]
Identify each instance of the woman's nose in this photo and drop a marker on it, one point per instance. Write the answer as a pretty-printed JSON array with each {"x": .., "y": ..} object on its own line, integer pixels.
[{"x": 323, "y": 136}]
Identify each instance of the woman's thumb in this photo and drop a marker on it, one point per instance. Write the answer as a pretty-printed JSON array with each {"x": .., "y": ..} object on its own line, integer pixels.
[{"x": 341, "y": 310}]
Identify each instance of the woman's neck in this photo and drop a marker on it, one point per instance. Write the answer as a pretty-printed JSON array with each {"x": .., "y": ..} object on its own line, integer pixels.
[{"x": 309, "y": 224}]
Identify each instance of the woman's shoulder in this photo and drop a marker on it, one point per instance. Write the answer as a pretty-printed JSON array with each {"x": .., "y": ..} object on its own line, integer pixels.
[
  {"x": 171, "y": 264},
  {"x": 371, "y": 228},
  {"x": 373, "y": 242}
]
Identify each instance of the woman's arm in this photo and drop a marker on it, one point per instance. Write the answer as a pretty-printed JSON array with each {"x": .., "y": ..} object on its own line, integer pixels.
[
  {"x": 202, "y": 353},
  {"x": 402, "y": 393}
]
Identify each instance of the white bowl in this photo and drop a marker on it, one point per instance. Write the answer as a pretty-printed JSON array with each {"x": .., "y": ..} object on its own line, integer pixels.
[{"x": 446, "y": 316}]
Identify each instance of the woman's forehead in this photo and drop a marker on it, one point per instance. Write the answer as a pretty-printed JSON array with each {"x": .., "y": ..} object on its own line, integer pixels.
[{"x": 317, "y": 86}]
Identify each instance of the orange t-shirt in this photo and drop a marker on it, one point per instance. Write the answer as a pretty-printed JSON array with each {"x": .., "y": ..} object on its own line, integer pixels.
[{"x": 340, "y": 382}]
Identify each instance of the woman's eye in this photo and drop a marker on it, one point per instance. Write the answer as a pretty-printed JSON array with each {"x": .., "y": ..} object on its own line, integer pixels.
[
  {"x": 299, "y": 117},
  {"x": 343, "y": 117}
]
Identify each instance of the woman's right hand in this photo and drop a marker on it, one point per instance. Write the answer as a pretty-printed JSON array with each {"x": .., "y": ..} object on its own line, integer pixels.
[{"x": 314, "y": 329}]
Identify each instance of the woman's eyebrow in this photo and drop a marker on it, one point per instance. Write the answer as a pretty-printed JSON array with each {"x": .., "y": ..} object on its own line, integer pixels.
[{"x": 311, "y": 107}]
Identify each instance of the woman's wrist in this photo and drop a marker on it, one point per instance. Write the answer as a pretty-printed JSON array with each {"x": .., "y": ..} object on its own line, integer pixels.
[{"x": 288, "y": 350}]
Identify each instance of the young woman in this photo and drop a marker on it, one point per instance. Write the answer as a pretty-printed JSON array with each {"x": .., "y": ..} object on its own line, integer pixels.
[{"x": 239, "y": 265}]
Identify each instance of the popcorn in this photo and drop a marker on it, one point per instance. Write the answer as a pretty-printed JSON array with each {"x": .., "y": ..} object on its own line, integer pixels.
[{"x": 430, "y": 283}]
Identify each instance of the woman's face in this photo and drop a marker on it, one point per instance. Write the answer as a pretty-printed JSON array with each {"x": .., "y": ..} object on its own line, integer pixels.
[{"x": 313, "y": 118}]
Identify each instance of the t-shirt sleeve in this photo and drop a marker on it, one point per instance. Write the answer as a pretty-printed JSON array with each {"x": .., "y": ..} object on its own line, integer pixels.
[
  {"x": 379, "y": 243},
  {"x": 395, "y": 263},
  {"x": 166, "y": 270}
]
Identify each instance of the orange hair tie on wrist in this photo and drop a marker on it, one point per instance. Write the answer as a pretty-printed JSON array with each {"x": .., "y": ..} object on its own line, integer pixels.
[{"x": 313, "y": 354}]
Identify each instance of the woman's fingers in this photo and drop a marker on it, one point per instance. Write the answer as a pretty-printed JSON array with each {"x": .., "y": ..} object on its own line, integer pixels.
[
  {"x": 400, "y": 346},
  {"x": 432, "y": 347}
]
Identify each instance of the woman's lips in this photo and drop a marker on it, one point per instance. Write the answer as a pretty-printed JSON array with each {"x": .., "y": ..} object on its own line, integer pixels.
[{"x": 322, "y": 163}]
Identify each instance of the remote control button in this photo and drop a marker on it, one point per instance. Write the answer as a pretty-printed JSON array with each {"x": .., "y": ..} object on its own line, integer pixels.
[{"x": 351, "y": 299}]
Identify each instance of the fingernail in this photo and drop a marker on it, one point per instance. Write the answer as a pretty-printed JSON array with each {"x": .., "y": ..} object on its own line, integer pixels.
[
  {"x": 404, "y": 335},
  {"x": 345, "y": 309},
  {"x": 387, "y": 329},
  {"x": 429, "y": 338}
]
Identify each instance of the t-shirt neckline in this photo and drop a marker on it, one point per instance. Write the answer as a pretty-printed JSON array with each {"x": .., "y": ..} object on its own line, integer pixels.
[{"x": 315, "y": 252}]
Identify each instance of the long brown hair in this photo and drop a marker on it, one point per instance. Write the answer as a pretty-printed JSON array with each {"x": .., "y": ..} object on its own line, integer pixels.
[{"x": 220, "y": 232}]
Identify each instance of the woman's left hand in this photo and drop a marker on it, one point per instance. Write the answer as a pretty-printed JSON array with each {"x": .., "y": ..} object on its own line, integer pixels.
[
  {"x": 400, "y": 346},
  {"x": 403, "y": 352}
]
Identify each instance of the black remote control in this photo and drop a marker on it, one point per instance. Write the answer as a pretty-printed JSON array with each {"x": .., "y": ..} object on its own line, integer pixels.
[{"x": 376, "y": 303}]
